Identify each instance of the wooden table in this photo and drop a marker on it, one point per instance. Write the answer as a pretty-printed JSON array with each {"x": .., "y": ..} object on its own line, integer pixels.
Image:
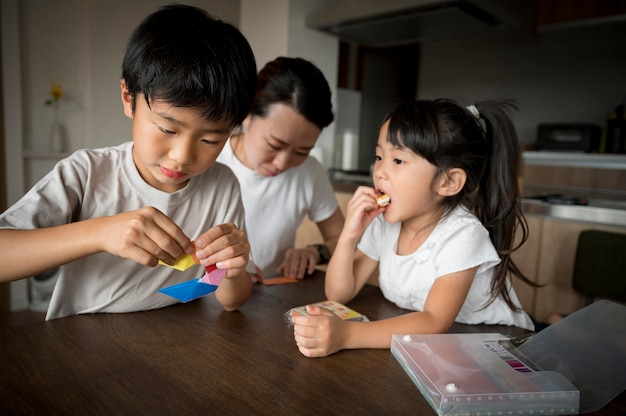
[{"x": 196, "y": 359}]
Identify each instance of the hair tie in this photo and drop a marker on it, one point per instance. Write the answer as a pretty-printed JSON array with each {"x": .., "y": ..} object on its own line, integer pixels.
[{"x": 474, "y": 111}]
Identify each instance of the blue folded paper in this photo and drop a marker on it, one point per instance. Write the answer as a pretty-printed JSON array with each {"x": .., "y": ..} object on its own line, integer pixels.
[{"x": 190, "y": 290}]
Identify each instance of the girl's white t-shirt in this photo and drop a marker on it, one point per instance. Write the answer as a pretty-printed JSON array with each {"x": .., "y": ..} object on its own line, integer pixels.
[{"x": 458, "y": 242}]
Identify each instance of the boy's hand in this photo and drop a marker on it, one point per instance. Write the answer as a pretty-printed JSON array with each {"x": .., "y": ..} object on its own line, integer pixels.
[
  {"x": 321, "y": 334},
  {"x": 145, "y": 235},
  {"x": 226, "y": 246}
]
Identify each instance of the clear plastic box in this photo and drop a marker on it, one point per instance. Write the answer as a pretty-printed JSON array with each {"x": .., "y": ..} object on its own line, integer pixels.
[{"x": 480, "y": 374}]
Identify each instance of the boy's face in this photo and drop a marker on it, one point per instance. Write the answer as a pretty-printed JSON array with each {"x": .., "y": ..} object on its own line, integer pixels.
[{"x": 172, "y": 144}]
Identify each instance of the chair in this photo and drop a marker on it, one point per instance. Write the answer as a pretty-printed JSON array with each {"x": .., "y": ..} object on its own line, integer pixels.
[{"x": 600, "y": 266}]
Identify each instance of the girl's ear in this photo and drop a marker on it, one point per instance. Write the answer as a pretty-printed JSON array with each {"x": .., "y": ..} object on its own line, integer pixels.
[
  {"x": 127, "y": 100},
  {"x": 451, "y": 182}
]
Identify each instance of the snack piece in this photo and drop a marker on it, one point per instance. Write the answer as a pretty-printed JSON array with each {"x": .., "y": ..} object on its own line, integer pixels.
[
  {"x": 383, "y": 200},
  {"x": 337, "y": 308}
]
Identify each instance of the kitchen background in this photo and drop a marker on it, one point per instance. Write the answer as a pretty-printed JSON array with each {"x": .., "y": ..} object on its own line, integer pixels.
[{"x": 562, "y": 61}]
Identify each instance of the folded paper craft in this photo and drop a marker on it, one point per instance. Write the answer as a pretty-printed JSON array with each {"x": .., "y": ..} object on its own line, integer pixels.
[
  {"x": 182, "y": 264},
  {"x": 213, "y": 275},
  {"x": 189, "y": 290}
]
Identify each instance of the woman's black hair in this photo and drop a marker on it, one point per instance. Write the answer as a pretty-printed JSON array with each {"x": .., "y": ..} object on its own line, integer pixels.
[
  {"x": 483, "y": 143},
  {"x": 182, "y": 55},
  {"x": 297, "y": 83}
]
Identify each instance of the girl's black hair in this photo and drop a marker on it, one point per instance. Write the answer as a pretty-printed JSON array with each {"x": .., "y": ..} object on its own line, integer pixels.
[
  {"x": 186, "y": 57},
  {"x": 295, "y": 82},
  {"x": 485, "y": 146}
]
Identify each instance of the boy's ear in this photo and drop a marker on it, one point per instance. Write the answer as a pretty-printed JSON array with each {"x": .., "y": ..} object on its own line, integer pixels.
[
  {"x": 127, "y": 100},
  {"x": 451, "y": 182}
]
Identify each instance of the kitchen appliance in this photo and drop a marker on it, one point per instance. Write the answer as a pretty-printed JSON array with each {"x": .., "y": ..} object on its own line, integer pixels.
[{"x": 569, "y": 137}]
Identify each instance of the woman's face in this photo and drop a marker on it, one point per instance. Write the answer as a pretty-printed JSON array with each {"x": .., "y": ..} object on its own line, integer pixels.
[{"x": 278, "y": 142}]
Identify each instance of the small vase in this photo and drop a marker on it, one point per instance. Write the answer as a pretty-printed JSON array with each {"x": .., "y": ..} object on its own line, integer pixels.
[{"x": 58, "y": 140}]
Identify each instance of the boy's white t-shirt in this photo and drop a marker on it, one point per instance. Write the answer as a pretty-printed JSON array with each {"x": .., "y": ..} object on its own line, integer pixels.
[
  {"x": 458, "y": 242},
  {"x": 275, "y": 206},
  {"x": 103, "y": 182}
]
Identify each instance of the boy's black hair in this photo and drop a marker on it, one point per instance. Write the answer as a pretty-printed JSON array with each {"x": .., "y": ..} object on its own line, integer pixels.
[
  {"x": 184, "y": 56},
  {"x": 297, "y": 83}
]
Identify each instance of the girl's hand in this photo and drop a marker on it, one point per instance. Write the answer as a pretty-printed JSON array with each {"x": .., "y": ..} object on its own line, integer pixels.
[
  {"x": 226, "y": 246},
  {"x": 299, "y": 262},
  {"x": 321, "y": 334},
  {"x": 145, "y": 235},
  {"x": 361, "y": 211}
]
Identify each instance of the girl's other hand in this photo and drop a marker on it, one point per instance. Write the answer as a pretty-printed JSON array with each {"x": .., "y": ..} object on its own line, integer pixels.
[
  {"x": 361, "y": 211},
  {"x": 321, "y": 334}
]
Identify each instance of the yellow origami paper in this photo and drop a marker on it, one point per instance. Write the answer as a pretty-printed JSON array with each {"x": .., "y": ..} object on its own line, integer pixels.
[{"x": 183, "y": 264}]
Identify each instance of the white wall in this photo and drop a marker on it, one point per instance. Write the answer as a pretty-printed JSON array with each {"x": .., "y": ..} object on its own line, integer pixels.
[{"x": 577, "y": 80}]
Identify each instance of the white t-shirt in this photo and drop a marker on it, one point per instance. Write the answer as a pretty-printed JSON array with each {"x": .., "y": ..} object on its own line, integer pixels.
[
  {"x": 457, "y": 243},
  {"x": 275, "y": 206},
  {"x": 102, "y": 182}
]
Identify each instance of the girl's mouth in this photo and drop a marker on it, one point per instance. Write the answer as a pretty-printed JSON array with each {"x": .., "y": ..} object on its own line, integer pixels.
[{"x": 172, "y": 173}]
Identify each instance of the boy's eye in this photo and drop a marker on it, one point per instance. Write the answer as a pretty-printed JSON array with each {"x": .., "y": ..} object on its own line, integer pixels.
[
  {"x": 165, "y": 131},
  {"x": 378, "y": 158}
]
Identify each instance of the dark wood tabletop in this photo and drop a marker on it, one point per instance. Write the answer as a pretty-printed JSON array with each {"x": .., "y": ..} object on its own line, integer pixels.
[{"x": 195, "y": 358}]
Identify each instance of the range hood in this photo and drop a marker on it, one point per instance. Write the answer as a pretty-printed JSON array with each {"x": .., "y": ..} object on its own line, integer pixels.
[{"x": 379, "y": 23}]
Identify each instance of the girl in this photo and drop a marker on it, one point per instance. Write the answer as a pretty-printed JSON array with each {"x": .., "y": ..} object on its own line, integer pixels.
[
  {"x": 443, "y": 243},
  {"x": 280, "y": 183}
]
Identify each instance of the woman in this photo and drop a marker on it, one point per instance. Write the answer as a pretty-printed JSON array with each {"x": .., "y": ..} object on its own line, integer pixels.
[{"x": 280, "y": 183}]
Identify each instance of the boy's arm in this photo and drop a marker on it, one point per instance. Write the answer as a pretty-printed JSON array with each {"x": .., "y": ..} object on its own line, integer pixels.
[{"x": 145, "y": 235}]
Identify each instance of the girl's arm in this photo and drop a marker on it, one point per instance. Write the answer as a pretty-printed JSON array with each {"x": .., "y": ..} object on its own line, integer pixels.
[
  {"x": 145, "y": 235},
  {"x": 349, "y": 268},
  {"x": 323, "y": 333}
]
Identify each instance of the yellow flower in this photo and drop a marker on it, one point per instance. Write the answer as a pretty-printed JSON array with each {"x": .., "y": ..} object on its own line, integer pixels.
[{"x": 56, "y": 93}]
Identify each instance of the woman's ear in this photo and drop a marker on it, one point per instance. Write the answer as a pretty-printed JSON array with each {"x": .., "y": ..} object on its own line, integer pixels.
[
  {"x": 451, "y": 182},
  {"x": 127, "y": 100}
]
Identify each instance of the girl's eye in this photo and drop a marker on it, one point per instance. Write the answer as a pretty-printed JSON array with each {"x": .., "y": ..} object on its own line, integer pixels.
[
  {"x": 378, "y": 158},
  {"x": 211, "y": 142},
  {"x": 398, "y": 161},
  {"x": 272, "y": 146}
]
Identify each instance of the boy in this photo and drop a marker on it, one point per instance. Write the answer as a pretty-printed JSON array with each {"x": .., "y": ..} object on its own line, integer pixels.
[{"x": 103, "y": 215}]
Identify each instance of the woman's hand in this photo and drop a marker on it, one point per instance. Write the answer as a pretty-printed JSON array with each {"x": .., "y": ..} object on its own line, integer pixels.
[{"x": 299, "y": 262}]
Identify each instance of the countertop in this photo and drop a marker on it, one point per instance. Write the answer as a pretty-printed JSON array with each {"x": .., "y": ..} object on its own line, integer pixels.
[{"x": 597, "y": 211}]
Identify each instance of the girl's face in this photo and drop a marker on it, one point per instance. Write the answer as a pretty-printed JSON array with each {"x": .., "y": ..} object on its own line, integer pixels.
[
  {"x": 172, "y": 144},
  {"x": 278, "y": 142},
  {"x": 407, "y": 178}
]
